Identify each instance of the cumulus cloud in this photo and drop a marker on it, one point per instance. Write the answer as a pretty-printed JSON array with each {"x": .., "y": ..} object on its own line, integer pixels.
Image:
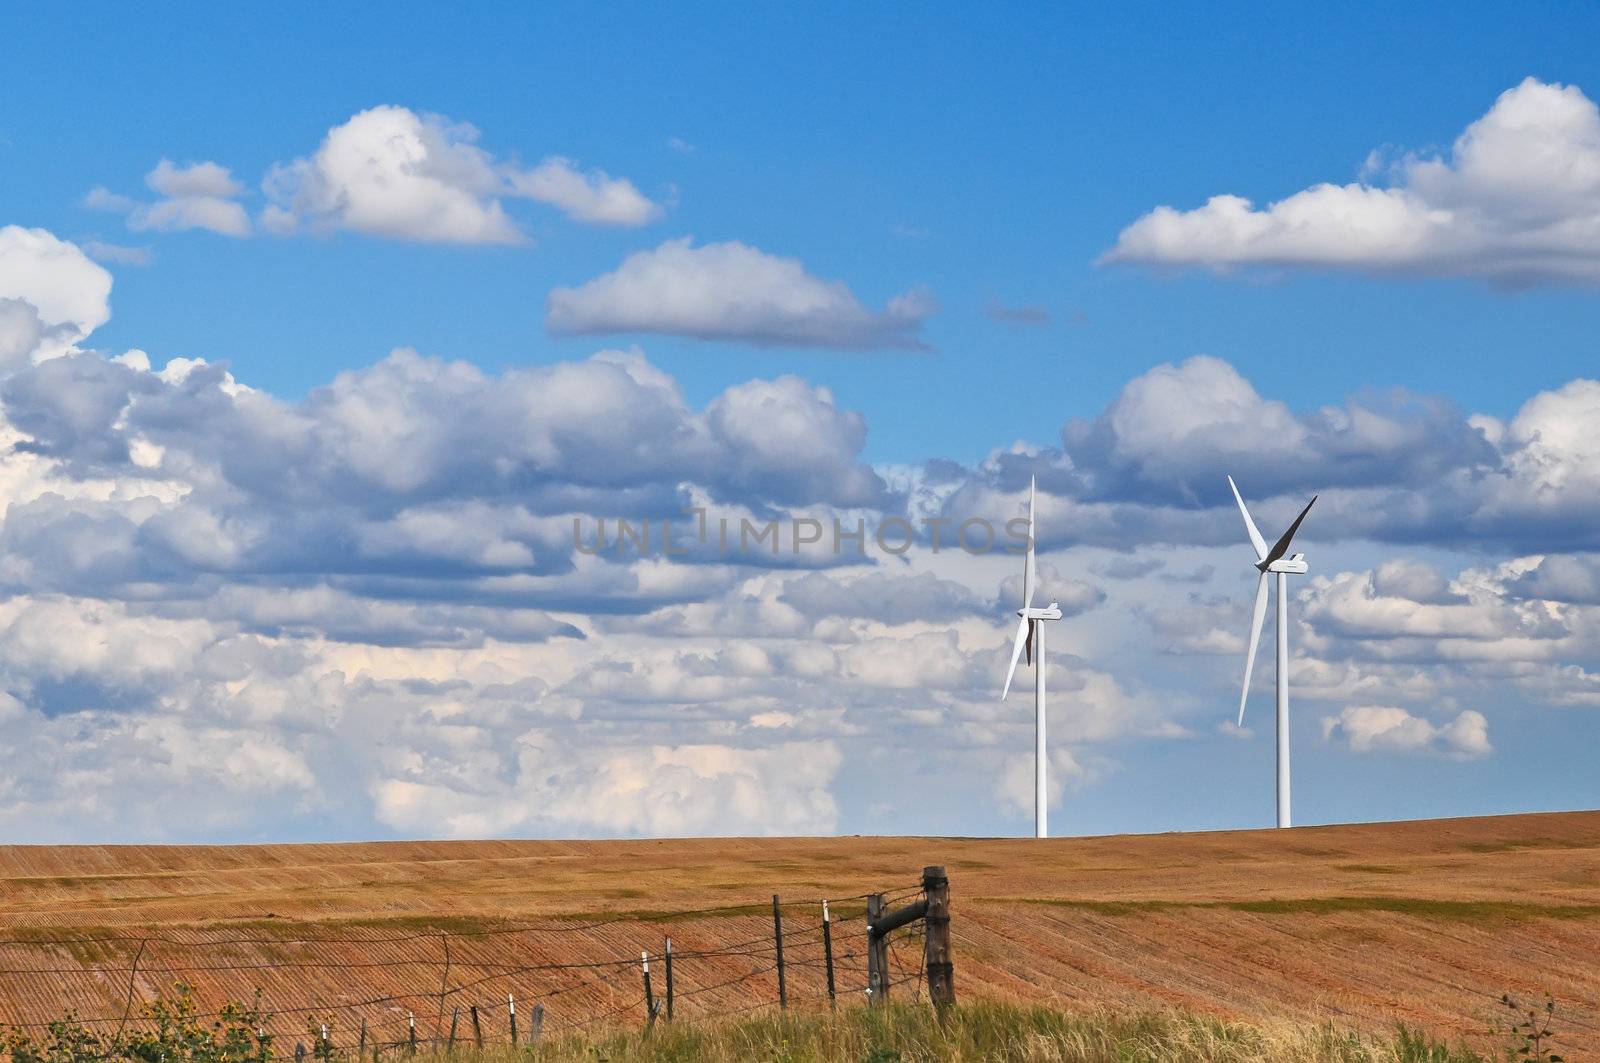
[
  {"x": 662, "y": 791},
  {"x": 20, "y": 332},
  {"x": 1366, "y": 605},
  {"x": 1416, "y": 582},
  {"x": 1386, "y": 729},
  {"x": 1392, "y": 466},
  {"x": 594, "y": 197},
  {"x": 734, "y": 292},
  {"x": 366, "y": 605},
  {"x": 1072, "y": 595},
  {"x": 1560, "y": 578},
  {"x": 888, "y": 598},
  {"x": 1015, "y": 787},
  {"x": 1516, "y": 202},
  {"x": 200, "y": 195},
  {"x": 391, "y": 172},
  {"x": 70, "y": 294},
  {"x": 1178, "y": 425}
]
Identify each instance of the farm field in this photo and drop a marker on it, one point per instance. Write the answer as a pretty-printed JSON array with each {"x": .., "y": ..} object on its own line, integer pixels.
[{"x": 1422, "y": 922}]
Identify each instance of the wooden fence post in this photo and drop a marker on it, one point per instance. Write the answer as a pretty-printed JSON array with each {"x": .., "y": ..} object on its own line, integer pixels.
[
  {"x": 877, "y": 989},
  {"x": 536, "y": 1024},
  {"x": 299, "y": 1052},
  {"x": 361, "y": 1046},
  {"x": 511, "y": 1007},
  {"x": 411, "y": 1021},
  {"x": 669, "y": 979},
  {"x": 477, "y": 1030},
  {"x": 827, "y": 952},
  {"x": 777, "y": 935},
  {"x": 455, "y": 1018},
  {"x": 936, "y": 938}
]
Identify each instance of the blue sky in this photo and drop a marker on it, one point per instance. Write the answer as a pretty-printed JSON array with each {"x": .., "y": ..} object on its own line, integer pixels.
[
  {"x": 832, "y": 243},
  {"x": 1020, "y": 142}
]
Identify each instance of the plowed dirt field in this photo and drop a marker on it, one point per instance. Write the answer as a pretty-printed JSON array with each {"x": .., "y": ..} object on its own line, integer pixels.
[{"x": 1421, "y": 922}]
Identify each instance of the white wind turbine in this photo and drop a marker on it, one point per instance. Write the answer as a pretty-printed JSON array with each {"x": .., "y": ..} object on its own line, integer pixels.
[
  {"x": 1273, "y": 561},
  {"x": 1031, "y": 637}
]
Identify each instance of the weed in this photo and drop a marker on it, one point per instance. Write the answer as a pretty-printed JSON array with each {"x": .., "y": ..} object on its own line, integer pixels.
[{"x": 1530, "y": 1031}]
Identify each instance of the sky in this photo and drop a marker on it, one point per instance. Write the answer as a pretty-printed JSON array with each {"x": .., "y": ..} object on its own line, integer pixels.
[{"x": 327, "y": 340}]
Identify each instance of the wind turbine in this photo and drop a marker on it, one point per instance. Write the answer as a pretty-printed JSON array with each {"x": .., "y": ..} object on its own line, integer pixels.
[
  {"x": 1273, "y": 561},
  {"x": 1030, "y": 637}
]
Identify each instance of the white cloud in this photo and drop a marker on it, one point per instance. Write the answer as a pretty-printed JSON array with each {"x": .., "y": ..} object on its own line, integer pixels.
[
  {"x": 663, "y": 791},
  {"x": 20, "y": 332},
  {"x": 732, "y": 291},
  {"x": 198, "y": 180},
  {"x": 57, "y": 278},
  {"x": 1371, "y": 728},
  {"x": 1015, "y": 786},
  {"x": 1365, "y": 605},
  {"x": 364, "y": 604},
  {"x": 391, "y": 172},
  {"x": 103, "y": 251},
  {"x": 1517, "y": 202},
  {"x": 200, "y": 195},
  {"x": 594, "y": 197},
  {"x": 1072, "y": 595}
]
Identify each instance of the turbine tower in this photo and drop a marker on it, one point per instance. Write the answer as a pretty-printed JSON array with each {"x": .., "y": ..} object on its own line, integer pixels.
[
  {"x": 1273, "y": 561},
  {"x": 1030, "y": 637}
]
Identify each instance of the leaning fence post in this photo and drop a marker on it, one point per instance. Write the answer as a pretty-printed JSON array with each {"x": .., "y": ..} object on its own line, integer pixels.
[
  {"x": 299, "y": 1052},
  {"x": 877, "y": 989},
  {"x": 536, "y": 1024},
  {"x": 936, "y": 938},
  {"x": 477, "y": 1030},
  {"x": 511, "y": 1007},
  {"x": 827, "y": 951},
  {"x": 669, "y": 979},
  {"x": 777, "y": 935},
  {"x": 455, "y": 1017},
  {"x": 649, "y": 994}
]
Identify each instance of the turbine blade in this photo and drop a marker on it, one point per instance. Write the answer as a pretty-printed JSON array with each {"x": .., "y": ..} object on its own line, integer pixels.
[
  {"x": 1031, "y": 624},
  {"x": 1249, "y": 525},
  {"x": 1281, "y": 547},
  {"x": 1016, "y": 652},
  {"x": 1027, "y": 564},
  {"x": 1255, "y": 640}
]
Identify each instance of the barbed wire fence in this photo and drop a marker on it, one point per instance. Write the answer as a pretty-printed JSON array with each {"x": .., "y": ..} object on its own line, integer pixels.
[{"x": 371, "y": 994}]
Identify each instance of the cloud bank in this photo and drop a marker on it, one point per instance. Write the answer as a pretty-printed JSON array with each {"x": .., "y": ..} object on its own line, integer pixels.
[{"x": 364, "y": 612}]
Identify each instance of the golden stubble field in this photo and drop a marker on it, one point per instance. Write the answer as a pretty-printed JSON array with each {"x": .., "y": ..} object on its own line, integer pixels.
[{"x": 1423, "y": 922}]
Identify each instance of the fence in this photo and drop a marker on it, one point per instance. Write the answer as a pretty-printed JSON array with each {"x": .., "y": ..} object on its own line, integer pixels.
[{"x": 373, "y": 993}]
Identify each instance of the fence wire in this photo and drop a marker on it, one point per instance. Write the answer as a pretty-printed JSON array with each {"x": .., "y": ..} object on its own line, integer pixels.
[{"x": 392, "y": 992}]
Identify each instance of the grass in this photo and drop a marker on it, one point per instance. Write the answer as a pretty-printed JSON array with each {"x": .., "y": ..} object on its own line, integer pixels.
[
  {"x": 983, "y": 1032},
  {"x": 1478, "y": 912}
]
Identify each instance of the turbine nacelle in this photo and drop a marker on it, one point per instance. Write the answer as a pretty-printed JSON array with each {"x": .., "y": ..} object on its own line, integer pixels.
[
  {"x": 1294, "y": 566},
  {"x": 1052, "y": 613}
]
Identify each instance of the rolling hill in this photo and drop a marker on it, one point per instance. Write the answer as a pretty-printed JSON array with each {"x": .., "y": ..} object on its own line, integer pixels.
[{"x": 1424, "y": 922}]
